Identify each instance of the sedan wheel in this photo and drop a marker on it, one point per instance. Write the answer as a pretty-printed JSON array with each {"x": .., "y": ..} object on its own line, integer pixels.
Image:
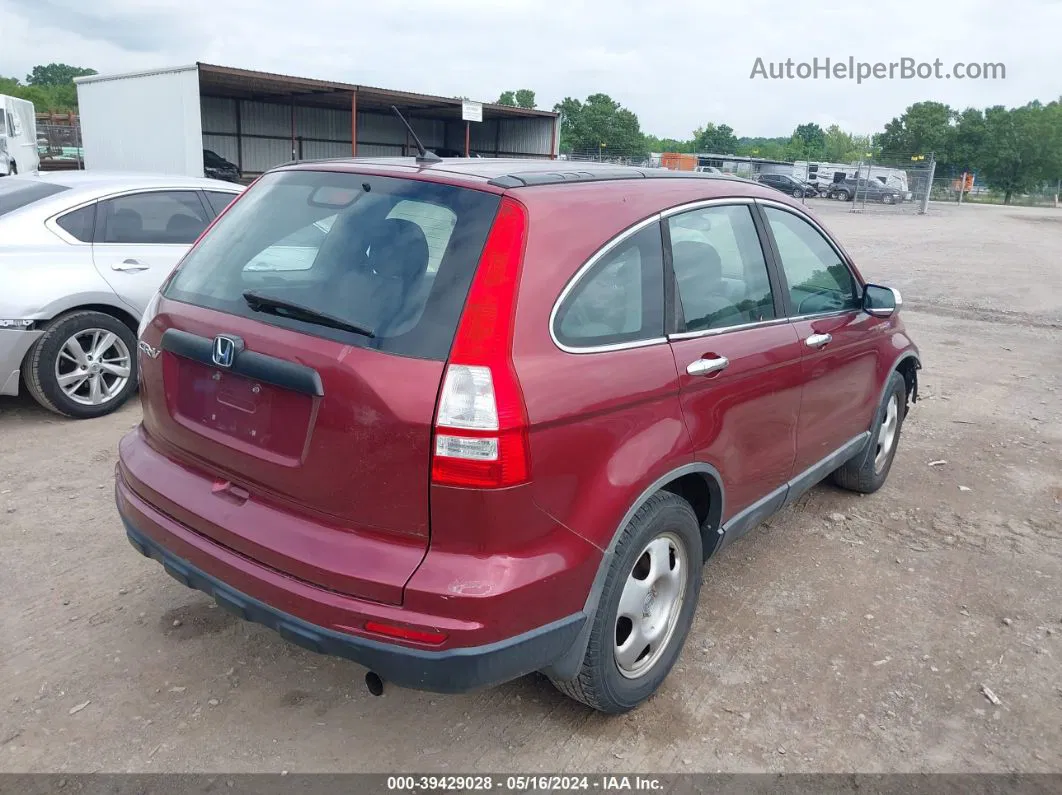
[
  {"x": 798, "y": 193},
  {"x": 93, "y": 367},
  {"x": 84, "y": 365}
]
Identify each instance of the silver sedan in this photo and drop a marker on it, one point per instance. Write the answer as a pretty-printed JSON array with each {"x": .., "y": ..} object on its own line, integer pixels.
[{"x": 81, "y": 255}]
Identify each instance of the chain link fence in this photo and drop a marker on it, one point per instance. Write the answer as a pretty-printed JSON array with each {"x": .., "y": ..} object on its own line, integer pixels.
[{"x": 59, "y": 147}]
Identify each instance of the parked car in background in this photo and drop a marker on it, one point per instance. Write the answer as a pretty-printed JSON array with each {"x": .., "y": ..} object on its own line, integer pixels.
[
  {"x": 445, "y": 152},
  {"x": 786, "y": 184},
  {"x": 18, "y": 136},
  {"x": 872, "y": 189},
  {"x": 82, "y": 255},
  {"x": 595, "y": 404},
  {"x": 217, "y": 167}
]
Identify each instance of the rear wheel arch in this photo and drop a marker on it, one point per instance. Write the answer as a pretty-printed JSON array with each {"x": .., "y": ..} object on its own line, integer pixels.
[{"x": 701, "y": 485}]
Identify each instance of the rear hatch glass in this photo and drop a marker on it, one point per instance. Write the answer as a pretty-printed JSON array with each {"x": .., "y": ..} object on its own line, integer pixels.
[
  {"x": 341, "y": 294},
  {"x": 390, "y": 257}
]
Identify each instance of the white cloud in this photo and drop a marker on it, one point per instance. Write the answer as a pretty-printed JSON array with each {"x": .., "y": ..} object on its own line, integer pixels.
[{"x": 676, "y": 63}]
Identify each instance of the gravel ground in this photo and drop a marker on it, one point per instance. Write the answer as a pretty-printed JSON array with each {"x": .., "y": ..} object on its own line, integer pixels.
[{"x": 847, "y": 634}]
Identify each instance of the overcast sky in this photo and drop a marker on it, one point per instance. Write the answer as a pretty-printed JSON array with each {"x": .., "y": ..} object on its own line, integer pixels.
[{"x": 676, "y": 63}]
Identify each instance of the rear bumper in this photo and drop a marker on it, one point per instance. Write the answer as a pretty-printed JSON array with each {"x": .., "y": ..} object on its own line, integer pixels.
[{"x": 449, "y": 671}]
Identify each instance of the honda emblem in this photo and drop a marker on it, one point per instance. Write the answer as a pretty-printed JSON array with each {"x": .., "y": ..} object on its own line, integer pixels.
[{"x": 225, "y": 350}]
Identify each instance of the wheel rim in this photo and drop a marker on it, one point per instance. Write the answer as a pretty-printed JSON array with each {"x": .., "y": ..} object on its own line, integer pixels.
[
  {"x": 887, "y": 434},
  {"x": 649, "y": 605},
  {"x": 93, "y": 367}
]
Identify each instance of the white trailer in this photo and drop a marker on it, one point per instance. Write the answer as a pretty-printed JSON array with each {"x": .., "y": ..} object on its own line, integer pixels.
[
  {"x": 823, "y": 174},
  {"x": 18, "y": 136}
]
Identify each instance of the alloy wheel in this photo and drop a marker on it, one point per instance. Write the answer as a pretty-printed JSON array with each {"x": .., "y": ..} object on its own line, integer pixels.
[{"x": 93, "y": 367}]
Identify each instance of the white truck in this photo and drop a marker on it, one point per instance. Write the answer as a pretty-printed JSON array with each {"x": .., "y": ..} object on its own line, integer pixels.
[{"x": 18, "y": 136}]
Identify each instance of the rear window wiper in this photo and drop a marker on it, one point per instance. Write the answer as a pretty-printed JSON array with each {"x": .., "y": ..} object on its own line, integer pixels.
[{"x": 284, "y": 308}]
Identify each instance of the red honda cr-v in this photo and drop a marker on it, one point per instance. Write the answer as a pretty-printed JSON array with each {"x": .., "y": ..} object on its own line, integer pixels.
[{"x": 462, "y": 421}]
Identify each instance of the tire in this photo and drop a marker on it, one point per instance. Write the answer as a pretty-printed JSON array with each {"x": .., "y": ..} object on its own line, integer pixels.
[
  {"x": 841, "y": 195},
  {"x": 602, "y": 683},
  {"x": 798, "y": 194},
  {"x": 867, "y": 472},
  {"x": 887, "y": 199},
  {"x": 101, "y": 390}
]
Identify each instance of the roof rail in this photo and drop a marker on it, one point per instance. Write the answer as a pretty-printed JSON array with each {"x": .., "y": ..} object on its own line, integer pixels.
[{"x": 521, "y": 179}]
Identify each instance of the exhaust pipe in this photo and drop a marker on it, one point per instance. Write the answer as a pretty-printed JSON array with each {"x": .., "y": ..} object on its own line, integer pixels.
[{"x": 374, "y": 683}]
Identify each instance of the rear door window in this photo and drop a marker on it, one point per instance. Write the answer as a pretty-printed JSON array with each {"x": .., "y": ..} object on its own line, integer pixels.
[
  {"x": 154, "y": 217},
  {"x": 720, "y": 273},
  {"x": 394, "y": 257},
  {"x": 620, "y": 299}
]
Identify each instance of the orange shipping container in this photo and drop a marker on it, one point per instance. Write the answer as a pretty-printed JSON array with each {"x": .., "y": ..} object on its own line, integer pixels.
[{"x": 677, "y": 161}]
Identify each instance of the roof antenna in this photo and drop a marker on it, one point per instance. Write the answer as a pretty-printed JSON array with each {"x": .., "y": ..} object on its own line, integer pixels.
[{"x": 423, "y": 156}]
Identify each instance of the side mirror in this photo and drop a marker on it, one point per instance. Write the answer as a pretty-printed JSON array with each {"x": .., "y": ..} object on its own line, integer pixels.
[{"x": 881, "y": 301}]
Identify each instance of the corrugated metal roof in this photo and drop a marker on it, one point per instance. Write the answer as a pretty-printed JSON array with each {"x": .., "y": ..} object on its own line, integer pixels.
[{"x": 305, "y": 88}]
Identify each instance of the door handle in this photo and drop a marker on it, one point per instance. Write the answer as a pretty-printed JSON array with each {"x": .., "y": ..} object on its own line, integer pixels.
[
  {"x": 129, "y": 266},
  {"x": 707, "y": 366},
  {"x": 818, "y": 340}
]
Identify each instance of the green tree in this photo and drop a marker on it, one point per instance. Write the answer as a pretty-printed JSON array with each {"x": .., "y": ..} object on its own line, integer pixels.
[
  {"x": 967, "y": 140},
  {"x": 769, "y": 148},
  {"x": 1017, "y": 151},
  {"x": 525, "y": 98},
  {"x": 715, "y": 139},
  {"x": 600, "y": 125},
  {"x": 923, "y": 128},
  {"x": 56, "y": 74},
  {"x": 808, "y": 142},
  {"x": 654, "y": 144}
]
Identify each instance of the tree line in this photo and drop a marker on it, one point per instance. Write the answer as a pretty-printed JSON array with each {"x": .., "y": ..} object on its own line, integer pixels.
[
  {"x": 1013, "y": 150},
  {"x": 49, "y": 87}
]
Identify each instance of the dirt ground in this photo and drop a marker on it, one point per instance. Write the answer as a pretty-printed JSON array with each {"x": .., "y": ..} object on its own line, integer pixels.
[{"x": 847, "y": 634}]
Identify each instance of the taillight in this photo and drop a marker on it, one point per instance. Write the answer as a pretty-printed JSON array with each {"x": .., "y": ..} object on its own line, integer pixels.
[{"x": 481, "y": 423}]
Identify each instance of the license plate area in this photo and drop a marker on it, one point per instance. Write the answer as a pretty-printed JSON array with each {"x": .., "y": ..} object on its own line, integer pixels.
[{"x": 237, "y": 411}]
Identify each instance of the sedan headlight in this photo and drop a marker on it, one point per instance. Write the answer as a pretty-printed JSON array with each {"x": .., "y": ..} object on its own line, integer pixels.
[{"x": 149, "y": 314}]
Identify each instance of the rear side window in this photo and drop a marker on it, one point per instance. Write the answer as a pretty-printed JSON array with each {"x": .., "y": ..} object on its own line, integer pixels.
[
  {"x": 219, "y": 200},
  {"x": 17, "y": 193},
  {"x": 620, "y": 299},
  {"x": 394, "y": 257},
  {"x": 154, "y": 218},
  {"x": 79, "y": 224}
]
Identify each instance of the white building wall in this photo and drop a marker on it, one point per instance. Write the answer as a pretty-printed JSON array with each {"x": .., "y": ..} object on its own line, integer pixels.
[{"x": 146, "y": 122}]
